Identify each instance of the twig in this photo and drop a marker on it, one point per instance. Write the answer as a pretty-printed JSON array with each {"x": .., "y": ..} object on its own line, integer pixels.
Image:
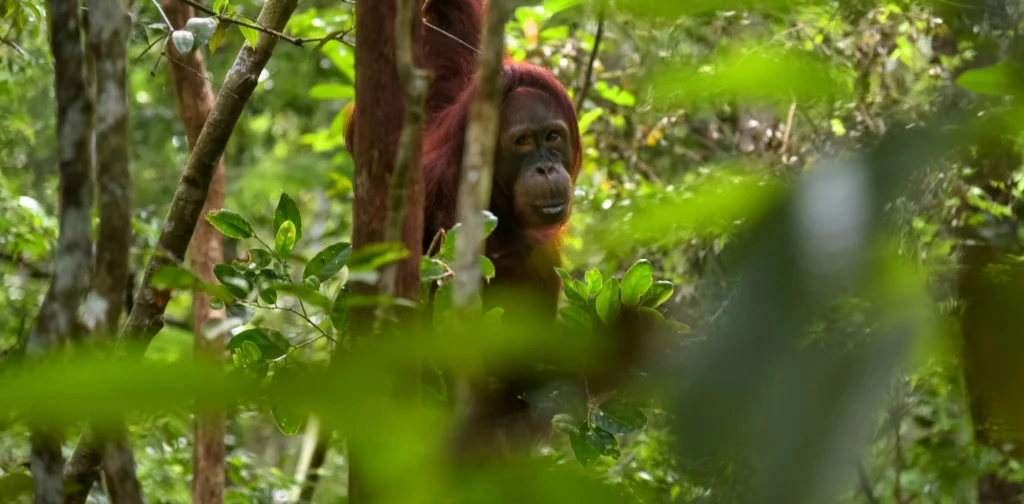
[
  {"x": 449, "y": 35},
  {"x": 269, "y": 31},
  {"x": 302, "y": 316},
  {"x": 16, "y": 47},
  {"x": 582, "y": 95},
  {"x": 149, "y": 47},
  {"x": 789, "y": 126}
]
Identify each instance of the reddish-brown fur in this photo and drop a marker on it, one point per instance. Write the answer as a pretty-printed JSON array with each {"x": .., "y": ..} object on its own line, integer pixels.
[{"x": 523, "y": 257}]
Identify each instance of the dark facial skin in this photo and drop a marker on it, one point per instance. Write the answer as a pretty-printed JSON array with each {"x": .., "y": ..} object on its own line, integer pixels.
[{"x": 534, "y": 155}]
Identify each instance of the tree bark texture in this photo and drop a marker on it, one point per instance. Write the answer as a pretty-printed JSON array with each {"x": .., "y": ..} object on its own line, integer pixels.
[
  {"x": 74, "y": 245},
  {"x": 379, "y": 124},
  {"x": 107, "y": 42},
  {"x": 195, "y": 101},
  {"x": 146, "y": 317},
  {"x": 379, "y": 118}
]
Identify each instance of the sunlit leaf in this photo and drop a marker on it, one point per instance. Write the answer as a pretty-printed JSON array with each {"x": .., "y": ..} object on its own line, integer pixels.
[
  {"x": 486, "y": 268},
  {"x": 284, "y": 241},
  {"x": 636, "y": 281},
  {"x": 230, "y": 224},
  {"x": 608, "y": 301},
  {"x": 288, "y": 210},
  {"x": 594, "y": 282},
  {"x": 251, "y": 34},
  {"x": 432, "y": 269}
]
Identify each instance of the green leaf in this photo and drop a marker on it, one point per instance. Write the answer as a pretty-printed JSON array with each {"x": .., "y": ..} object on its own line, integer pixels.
[
  {"x": 372, "y": 257},
  {"x": 659, "y": 292},
  {"x": 618, "y": 417},
  {"x": 580, "y": 293},
  {"x": 651, "y": 315},
  {"x": 636, "y": 281},
  {"x": 608, "y": 302},
  {"x": 219, "y": 6},
  {"x": 490, "y": 223},
  {"x": 584, "y": 452},
  {"x": 218, "y": 36},
  {"x": 615, "y": 94},
  {"x": 486, "y": 268},
  {"x": 432, "y": 269},
  {"x": 288, "y": 419},
  {"x": 994, "y": 80},
  {"x": 288, "y": 210},
  {"x": 332, "y": 91},
  {"x": 576, "y": 317},
  {"x": 284, "y": 241},
  {"x": 602, "y": 441},
  {"x": 328, "y": 262},
  {"x": 250, "y": 352},
  {"x": 268, "y": 296},
  {"x": 232, "y": 280},
  {"x": 230, "y": 224},
  {"x": 251, "y": 34},
  {"x": 340, "y": 312},
  {"x": 304, "y": 293},
  {"x": 565, "y": 276},
  {"x": 271, "y": 343},
  {"x": 260, "y": 257},
  {"x": 594, "y": 282},
  {"x": 448, "y": 248}
]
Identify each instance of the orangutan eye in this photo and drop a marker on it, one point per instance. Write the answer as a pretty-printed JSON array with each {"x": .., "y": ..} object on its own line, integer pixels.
[
  {"x": 523, "y": 140},
  {"x": 553, "y": 136}
]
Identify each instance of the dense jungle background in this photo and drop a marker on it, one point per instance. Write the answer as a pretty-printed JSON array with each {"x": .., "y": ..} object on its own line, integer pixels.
[{"x": 822, "y": 200}]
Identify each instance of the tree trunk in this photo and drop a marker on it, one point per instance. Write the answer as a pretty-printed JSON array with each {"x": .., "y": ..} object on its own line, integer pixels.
[
  {"x": 195, "y": 101},
  {"x": 379, "y": 117}
]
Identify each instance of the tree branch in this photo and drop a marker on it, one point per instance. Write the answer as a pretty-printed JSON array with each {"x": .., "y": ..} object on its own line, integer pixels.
[{"x": 590, "y": 64}]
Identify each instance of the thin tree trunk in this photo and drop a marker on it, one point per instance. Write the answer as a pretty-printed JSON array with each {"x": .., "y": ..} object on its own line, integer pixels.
[
  {"x": 107, "y": 41},
  {"x": 475, "y": 195},
  {"x": 74, "y": 247},
  {"x": 379, "y": 120},
  {"x": 195, "y": 101}
]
